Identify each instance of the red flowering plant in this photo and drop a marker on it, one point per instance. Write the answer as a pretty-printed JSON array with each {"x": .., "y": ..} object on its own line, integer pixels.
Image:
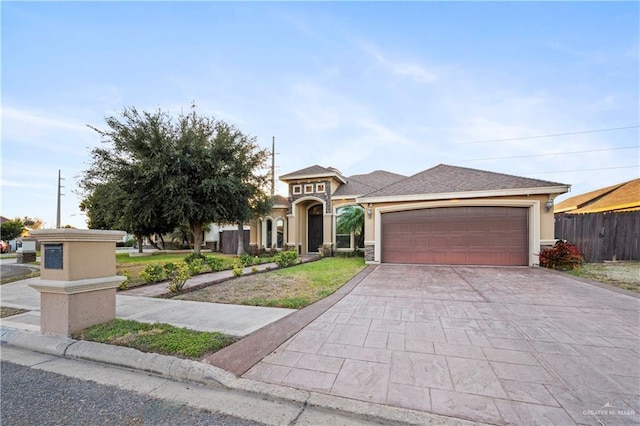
[{"x": 562, "y": 256}]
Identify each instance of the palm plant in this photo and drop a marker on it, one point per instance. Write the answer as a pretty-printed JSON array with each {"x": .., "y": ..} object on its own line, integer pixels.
[{"x": 351, "y": 219}]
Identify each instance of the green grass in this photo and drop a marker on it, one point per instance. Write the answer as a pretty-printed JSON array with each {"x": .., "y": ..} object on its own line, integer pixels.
[
  {"x": 8, "y": 312},
  {"x": 154, "y": 258},
  {"x": 625, "y": 275},
  {"x": 157, "y": 338},
  {"x": 294, "y": 287},
  {"x": 134, "y": 265},
  {"x": 33, "y": 274}
]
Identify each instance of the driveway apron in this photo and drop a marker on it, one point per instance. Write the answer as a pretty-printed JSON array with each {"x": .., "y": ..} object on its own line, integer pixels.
[{"x": 490, "y": 344}]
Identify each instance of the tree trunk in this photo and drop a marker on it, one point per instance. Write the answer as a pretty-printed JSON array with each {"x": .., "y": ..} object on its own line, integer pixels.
[
  {"x": 162, "y": 240},
  {"x": 240, "y": 238},
  {"x": 196, "y": 230},
  {"x": 139, "y": 239},
  {"x": 153, "y": 243}
]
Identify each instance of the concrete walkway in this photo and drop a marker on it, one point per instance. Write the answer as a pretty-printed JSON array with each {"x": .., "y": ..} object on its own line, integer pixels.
[{"x": 494, "y": 345}]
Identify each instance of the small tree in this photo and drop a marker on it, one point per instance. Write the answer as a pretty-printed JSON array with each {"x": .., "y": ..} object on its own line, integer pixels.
[
  {"x": 351, "y": 219},
  {"x": 11, "y": 229}
]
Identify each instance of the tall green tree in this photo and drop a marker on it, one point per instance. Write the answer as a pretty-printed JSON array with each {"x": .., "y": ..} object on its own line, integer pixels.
[{"x": 192, "y": 169}]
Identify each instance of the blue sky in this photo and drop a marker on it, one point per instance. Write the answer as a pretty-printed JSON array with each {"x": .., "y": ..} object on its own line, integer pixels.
[{"x": 358, "y": 86}]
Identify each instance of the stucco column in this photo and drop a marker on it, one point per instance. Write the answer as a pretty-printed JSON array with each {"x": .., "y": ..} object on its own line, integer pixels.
[
  {"x": 78, "y": 278},
  {"x": 292, "y": 234}
]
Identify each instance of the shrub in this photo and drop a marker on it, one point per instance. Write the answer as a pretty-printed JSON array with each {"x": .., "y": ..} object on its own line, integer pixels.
[
  {"x": 179, "y": 276},
  {"x": 125, "y": 284},
  {"x": 246, "y": 259},
  {"x": 153, "y": 272},
  {"x": 196, "y": 266},
  {"x": 286, "y": 258},
  {"x": 214, "y": 263},
  {"x": 562, "y": 256},
  {"x": 168, "y": 268},
  {"x": 238, "y": 269},
  {"x": 354, "y": 253},
  {"x": 190, "y": 258}
]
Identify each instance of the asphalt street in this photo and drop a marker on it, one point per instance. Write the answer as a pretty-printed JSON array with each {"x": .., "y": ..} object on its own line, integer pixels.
[{"x": 30, "y": 396}]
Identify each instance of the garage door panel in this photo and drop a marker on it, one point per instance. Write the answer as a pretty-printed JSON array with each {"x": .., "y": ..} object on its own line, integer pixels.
[{"x": 458, "y": 235}]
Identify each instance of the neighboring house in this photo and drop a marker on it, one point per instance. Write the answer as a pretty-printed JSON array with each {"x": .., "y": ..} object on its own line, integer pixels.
[
  {"x": 443, "y": 215},
  {"x": 616, "y": 198}
]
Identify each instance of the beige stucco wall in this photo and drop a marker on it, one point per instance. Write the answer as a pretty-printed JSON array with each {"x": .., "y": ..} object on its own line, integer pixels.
[
  {"x": 80, "y": 260},
  {"x": 65, "y": 314}
]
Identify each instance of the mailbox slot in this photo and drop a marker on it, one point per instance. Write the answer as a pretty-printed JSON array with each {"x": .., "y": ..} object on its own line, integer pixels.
[{"x": 53, "y": 256}]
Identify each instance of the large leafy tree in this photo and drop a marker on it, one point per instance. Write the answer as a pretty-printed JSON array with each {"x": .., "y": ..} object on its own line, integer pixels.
[
  {"x": 11, "y": 229},
  {"x": 163, "y": 172}
]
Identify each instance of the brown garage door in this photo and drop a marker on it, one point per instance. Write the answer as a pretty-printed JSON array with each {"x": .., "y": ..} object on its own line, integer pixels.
[{"x": 457, "y": 236}]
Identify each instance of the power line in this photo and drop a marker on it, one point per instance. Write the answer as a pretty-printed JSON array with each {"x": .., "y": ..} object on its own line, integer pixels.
[
  {"x": 551, "y": 135},
  {"x": 586, "y": 170},
  {"x": 557, "y": 153}
]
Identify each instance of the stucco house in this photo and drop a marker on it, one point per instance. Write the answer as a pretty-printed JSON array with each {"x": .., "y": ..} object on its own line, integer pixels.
[{"x": 442, "y": 215}]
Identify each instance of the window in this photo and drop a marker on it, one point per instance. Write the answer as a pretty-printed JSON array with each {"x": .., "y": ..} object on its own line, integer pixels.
[
  {"x": 296, "y": 189},
  {"x": 319, "y": 187},
  {"x": 308, "y": 188},
  {"x": 280, "y": 233},
  {"x": 349, "y": 227},
  {"x": 269, "y": 233}
]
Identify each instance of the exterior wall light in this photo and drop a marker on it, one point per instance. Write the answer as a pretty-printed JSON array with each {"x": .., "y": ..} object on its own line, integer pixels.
[
  {"x": 369, "y": 211},
  {"x": 548, "y": 205}
]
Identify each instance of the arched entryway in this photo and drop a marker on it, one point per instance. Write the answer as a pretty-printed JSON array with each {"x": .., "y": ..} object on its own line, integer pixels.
[{"x": 315, "y": 229}]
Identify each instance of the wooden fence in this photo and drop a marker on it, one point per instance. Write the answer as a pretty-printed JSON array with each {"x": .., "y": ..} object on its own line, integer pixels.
[
  {"x": 602, "y": 236},
  {"x": 229, "y": 241}
]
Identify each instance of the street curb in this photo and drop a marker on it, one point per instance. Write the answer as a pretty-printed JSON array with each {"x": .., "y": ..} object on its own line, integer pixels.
[{"x": 206, "y": 374}]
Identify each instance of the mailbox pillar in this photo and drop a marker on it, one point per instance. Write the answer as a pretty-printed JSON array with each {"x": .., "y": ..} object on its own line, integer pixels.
[
  {"x": 78, "y": 278},
  {"x": 27, "y": 251}
]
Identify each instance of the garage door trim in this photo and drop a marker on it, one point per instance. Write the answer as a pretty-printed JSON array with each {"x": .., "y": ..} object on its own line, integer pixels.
[{"x": 534, "y": 218}]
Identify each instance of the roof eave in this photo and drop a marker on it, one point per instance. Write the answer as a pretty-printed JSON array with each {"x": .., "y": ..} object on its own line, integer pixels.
[
  {"x": 288, "y": 178},
  {"x": 560, "y": 189}
]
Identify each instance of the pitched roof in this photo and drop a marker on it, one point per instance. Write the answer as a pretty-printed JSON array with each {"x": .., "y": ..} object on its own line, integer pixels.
[
  {"x": 621, "y": 197},
  {"x": 445, "y": 179},
  {"x": 362, "y": 184},
  {"x": 279, "y": 200},
  {"x": 314, "y": 171}
]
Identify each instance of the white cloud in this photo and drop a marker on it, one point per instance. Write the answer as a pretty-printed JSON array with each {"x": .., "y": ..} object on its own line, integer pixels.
[{"x": 404, "y": 69}]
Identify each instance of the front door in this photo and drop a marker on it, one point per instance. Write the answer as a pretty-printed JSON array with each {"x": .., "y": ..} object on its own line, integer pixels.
[{"x": 314, "y": 228}]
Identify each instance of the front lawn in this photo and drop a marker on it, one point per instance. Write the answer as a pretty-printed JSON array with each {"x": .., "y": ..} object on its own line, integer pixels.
[
  {"x": 624, "y": 275},
  {"x": 157, "y": 338},
  {"x": 294, "y": 287},
  {"x": 133, "y": 266}
]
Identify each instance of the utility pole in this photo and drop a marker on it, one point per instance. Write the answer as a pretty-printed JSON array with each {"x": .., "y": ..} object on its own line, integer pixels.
[
  {"x": 273, "y": 166},
  {"x": 60, "y": 179}
]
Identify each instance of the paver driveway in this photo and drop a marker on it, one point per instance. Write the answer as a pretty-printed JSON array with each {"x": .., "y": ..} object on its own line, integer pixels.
[{"x": 496, "y": 345}]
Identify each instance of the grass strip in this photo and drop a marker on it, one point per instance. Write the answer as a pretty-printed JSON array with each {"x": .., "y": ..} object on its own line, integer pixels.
[
  {"x": 9, "y": 312},
  {"x": 157, "y": 338}
]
